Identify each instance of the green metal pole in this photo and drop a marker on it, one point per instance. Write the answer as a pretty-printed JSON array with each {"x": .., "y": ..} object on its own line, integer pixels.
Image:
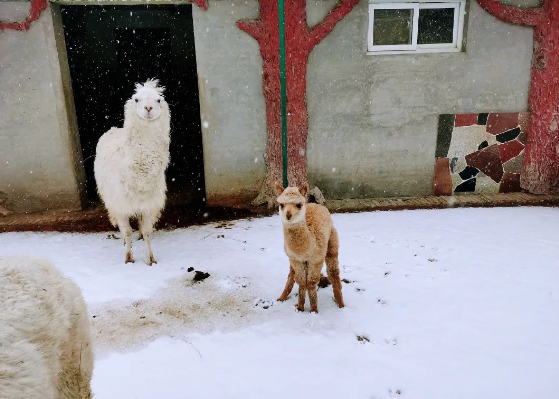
[{"x": 283, "y": 91}]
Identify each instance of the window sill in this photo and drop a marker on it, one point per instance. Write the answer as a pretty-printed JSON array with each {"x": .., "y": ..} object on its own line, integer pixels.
[{"x": 412, "y": 52}]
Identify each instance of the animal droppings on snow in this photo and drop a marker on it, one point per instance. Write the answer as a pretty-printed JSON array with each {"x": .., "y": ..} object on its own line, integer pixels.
[
  {"x": 324, "y": 282},
  {"x": 200, "y": 276},
  {"x": 363, "y": 339},
  {"x": 262, "y": 303}
]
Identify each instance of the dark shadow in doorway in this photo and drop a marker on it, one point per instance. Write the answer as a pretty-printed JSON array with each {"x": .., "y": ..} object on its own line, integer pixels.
[{"x": 110, "y": 48}]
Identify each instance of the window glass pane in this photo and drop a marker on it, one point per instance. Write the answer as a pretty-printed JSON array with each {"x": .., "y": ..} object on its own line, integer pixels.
[
  {"x": 392, "y": 27},
  {"x": 436, "y": 25}
]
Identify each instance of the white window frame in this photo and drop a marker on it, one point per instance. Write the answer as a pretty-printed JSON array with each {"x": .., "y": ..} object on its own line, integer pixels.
[{"x": 458, "y": 31}]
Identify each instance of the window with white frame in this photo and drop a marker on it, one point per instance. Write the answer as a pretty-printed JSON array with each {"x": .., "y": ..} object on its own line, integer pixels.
[{"x": 396, "y": 28}]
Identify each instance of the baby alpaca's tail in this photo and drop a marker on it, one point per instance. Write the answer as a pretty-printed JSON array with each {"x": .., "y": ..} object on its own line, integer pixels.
[{"x": 332, "y": 267}]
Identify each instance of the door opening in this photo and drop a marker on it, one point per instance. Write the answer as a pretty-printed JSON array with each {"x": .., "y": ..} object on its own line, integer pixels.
[{"x": 110, "y": 48}]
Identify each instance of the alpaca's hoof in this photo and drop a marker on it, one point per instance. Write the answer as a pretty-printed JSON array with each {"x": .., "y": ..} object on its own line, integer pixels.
[
  {"x": 340, "y": 303},
  {"x": 151, "y": 260},
  {"x": 314, "y": 311},
  {"x": 129, "y": 259},
  {"x": 300, "y": 309},
  {"x": 140, "y": 237},
  {"x": 282, "y": 298}
]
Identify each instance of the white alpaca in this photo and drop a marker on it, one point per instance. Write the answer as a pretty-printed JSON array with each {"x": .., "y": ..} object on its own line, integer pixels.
[
  {"x": 130, "y": 165},
  {"x": 45, "y": 343}
]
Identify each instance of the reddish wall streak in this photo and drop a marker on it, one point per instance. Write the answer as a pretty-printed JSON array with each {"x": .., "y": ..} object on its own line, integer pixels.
[
  {"x": 37, "y": 6},
  {"x": 300, "y": 39}
]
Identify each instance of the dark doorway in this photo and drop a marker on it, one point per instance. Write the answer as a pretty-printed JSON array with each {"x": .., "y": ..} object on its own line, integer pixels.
[{"x": 110, "y": 48}]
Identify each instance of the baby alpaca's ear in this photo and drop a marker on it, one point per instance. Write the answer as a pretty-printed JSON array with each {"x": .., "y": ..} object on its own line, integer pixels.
[
  {"x": 279, "y": 188},
  {"x": 304, "y": 189}
]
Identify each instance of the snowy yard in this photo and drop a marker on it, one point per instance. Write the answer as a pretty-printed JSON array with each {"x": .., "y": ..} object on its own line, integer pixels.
[{"x": 460, "y": 303}]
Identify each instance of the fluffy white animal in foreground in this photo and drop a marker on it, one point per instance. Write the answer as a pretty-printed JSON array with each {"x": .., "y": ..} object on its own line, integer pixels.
[
  {"x": 45, "y": 344},
  {"x": 130, "y": 165}
]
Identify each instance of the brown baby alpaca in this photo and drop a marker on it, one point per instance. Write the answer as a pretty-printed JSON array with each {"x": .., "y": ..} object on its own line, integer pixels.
[{"x": 310, "y": 239}]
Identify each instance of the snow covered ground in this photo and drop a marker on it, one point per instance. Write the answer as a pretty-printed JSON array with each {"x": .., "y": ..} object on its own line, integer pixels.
[{"x": 460, "y": 303}]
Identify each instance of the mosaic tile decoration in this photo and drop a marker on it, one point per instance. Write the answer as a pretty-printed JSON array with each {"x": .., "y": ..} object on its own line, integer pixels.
[{"x": 479, "y": 153}]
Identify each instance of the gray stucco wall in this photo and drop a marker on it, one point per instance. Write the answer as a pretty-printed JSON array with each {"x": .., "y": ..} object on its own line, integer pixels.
[
  {"x": 232, "y": 106},
  {"x": 37, "y": 158},
  {"x": 373, "y": 118}
]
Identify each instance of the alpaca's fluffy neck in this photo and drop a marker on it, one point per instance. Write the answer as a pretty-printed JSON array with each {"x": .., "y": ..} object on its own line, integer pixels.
[{"x": 298, "y": 237}]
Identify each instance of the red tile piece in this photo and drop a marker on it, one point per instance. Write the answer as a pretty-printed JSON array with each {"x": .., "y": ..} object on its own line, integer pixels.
[
  {"x": 509, "y": 150},
  {"x": 465, "y": 120},
  {"x": 488, "y": 161},
  {"x": 442, "y": 182},
  {"x": 499, "y": 123},
  {"x": 510, "y": 183}
]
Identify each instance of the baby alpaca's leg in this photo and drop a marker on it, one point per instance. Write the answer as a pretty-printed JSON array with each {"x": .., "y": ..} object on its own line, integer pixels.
[
  {"x": 312, "y": 282},
  {"x": 301, "y": 271},
  {"x": 302, "y": 295},
  {"x": 333, "y": 269},
  {"x": 289, "y": 284}
]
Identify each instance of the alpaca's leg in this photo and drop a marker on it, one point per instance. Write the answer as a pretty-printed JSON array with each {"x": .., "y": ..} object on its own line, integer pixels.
[
  {"x": 312, "y": 282},
  {"x": 301, "y": 274},
  {"x": 148, "y": 220},
  {"x": 289, "y": 284},
  {"x": 332, "y": 267},
  {"x": 302, "y": 295},
  {"x": 112, "y": 220},
  {"x": 140, "y": 223},
  {"x": 125, "y": 229}
]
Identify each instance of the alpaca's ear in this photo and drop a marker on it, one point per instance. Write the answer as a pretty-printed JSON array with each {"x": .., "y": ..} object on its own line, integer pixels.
[
  {"x": 304, "y": 189},
  {"x": 138, "y": 86},
  {"x": 279, "y": 188},
  {"x": 160, "y": 90}
]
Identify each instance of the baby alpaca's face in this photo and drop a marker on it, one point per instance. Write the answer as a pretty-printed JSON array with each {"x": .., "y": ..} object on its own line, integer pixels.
[
  {"x": 293, "y": 212},
  {"x": 149, "y": 103},
  {"x": 292, "y": 203}
]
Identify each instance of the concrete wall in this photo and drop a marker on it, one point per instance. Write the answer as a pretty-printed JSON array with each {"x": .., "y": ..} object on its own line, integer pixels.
[
  {"x": 373, "y": 118},
  {"x": 232, "y": 106},
  {"x": 38, "y": 159}
]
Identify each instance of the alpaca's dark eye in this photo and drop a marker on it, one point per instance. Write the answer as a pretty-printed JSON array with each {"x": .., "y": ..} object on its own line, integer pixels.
[
  {"x": 298, "y": 206},
  {"x": 136, "y": 100},
  {"x": 158, "y": 101}
]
